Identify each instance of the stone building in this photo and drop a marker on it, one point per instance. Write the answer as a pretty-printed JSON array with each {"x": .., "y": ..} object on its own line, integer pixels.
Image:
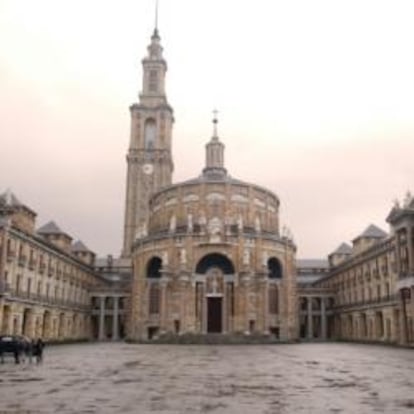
[
  {"x": 208, "y": 256},
  {"x": 371, "y": 283},
  {"x": 45, "y": 278}
]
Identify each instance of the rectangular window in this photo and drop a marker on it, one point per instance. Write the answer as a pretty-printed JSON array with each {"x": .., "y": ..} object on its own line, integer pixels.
[
  {"x": 154, "y": 299},
  {"x": 29, "y": 287},
  {"x": 153, "y": 81},
  {"x": 273, "y": 300}
]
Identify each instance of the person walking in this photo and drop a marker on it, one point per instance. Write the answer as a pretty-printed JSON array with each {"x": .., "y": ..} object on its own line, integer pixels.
[{"x": 38, "y": 350}]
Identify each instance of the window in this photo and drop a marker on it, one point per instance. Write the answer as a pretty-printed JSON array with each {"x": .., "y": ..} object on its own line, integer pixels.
[
  {"x": 154, "y": 268},
  {"x": 154, "y": 299},
  {"x": 273, "y": 300},
  {"x": 275, "y": 268},
  {"x": 153, "y": 81},
  {"x": 149, "y": 134},
  {"x": 29, "y": 287}
]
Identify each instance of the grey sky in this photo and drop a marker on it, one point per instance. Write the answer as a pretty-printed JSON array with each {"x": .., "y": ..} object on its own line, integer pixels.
[{"x": 315, "y": 99}]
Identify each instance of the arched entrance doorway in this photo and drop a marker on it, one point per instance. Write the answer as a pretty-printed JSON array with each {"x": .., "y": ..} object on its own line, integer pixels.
[{"x": 215, "y": 293}]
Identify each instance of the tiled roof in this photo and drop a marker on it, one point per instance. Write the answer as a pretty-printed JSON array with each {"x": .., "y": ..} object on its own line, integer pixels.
[
  {"x": 372, "y": 232},
  {"x": 344, "y": 248},
  {"x": 50, "y": 228},
  {"x": 79, "y": 246}
]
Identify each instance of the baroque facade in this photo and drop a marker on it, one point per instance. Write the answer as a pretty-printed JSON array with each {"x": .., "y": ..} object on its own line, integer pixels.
[
  {"x": 203, "y": 256},
  {"x": 207, "y": 254}
]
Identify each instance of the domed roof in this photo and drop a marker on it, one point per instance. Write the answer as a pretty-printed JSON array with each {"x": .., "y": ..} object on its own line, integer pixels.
[{"x": 214, "y": 171}]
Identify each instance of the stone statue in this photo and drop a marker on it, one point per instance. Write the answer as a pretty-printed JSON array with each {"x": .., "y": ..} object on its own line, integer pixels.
[
  {"x": 214, "y": 285},
  {"x": 215, "y": 226},
  {"x": 202, "y": 221},
  {"x": 189, "y": 223},
  {"x": 257, "y": 226},
  {"x": 240, "y": 223},
  {"x": 173, "y": 223},
  {"x": 144, "y": 230},
  {"x": 183, "y": 256},
  {"x": 246, "y": 257},
  {"x": 265, "y": 258},
  {"x": 165, "y": 258},
  {"x": 407, "y": 200}
]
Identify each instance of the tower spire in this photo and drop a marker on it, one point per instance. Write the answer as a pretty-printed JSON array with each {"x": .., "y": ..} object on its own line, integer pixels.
[
  {"x": 215, "y": 154},
  {"x": 215, "y": 122},
  {"x": 156, "y": 17}
]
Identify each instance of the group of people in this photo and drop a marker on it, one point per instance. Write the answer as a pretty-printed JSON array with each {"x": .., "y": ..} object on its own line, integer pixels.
[
  {"x": 34, "y": 348},
  {"x": 22, "y": 348}
]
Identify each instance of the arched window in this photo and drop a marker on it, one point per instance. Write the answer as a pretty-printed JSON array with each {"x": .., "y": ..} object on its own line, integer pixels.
[
  {"x": 275, "y": 268},
  {"x": 215, "y": 260},
  {"x": 154, "y": 268},
  {"x": 150, "y": 130}
]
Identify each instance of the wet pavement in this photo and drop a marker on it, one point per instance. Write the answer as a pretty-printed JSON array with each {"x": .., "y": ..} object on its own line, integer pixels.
[{"x": 122, "y": 378}]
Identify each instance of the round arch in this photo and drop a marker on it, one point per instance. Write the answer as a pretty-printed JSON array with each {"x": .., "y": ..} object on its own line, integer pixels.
[
  {"x": 215, "y": 260},
  {"x": 154, "y": 268},
  {"x": 275, "y": 268}
]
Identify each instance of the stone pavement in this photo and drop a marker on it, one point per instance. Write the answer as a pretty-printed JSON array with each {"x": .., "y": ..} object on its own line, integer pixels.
[{"x": 263, "y": 379}]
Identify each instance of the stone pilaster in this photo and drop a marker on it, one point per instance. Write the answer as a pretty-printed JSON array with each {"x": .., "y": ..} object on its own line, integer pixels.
[
  {"x": 115, "y": 319},
  {"x": 310, "y": 319},
  {"x": 323, "y": 318},
  {"x": 101, "y": 334}
]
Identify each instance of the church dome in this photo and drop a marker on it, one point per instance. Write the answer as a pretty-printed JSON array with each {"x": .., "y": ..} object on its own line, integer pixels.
[{"x": 214, "y": 199}]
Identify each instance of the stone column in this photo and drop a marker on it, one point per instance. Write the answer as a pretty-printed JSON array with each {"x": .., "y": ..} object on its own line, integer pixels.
[
  {"x": 410, "y": 250},
  {"x": 224, "y": 315},
  {"x": 184, "y": 284},
  {"x": 266, "y": 306},
  {"x": 163, "y": 310},
  {"x": 397, "y": 252},
  {"x": 310, "y": 319},
  {"x": 101, "y": 335},
  {"x": 30, "y": 325},
  {"x": 245, "y": 308},
  {"x": 323, "y": 319},
  {"x": 115, "y": 319},
  {"x": 204, "y": 308},
  {"x": 2, "y": 328}
]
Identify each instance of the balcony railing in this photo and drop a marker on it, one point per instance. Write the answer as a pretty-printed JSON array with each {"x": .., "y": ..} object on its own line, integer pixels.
[
  {"x": 381, "y": 300},
  {"x": 44, "y": 299}
]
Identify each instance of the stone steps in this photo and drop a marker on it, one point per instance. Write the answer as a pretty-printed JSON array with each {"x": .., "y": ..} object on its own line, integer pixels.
[{"x": 214, "y": 339}]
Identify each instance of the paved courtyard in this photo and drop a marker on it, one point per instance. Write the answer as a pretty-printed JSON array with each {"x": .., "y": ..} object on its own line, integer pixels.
[{"x": 121, "y": 378}]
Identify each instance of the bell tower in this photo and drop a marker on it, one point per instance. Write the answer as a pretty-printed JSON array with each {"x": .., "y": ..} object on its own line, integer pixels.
[{"x": 149, "y": 159}]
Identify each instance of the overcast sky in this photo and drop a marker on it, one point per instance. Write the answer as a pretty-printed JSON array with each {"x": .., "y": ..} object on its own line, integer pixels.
[{"x": 316, "y": 102}]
